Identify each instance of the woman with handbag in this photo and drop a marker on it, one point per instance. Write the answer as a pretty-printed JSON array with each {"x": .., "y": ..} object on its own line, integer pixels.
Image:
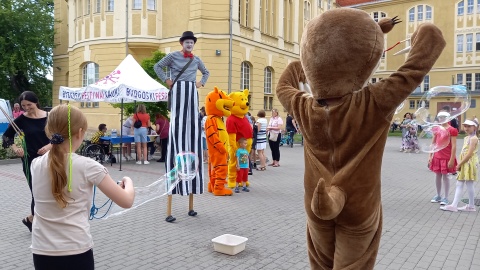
[
  {"x": 185, "y": 130},
  {"x": 162, "y": 126},
  {"x": 141, "y": 122},
  {"x": 274, "y": 129}
]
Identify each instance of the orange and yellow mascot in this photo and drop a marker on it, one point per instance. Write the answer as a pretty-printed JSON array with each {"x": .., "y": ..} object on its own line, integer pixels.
[
  {"x": 238, "y": 127},
  {"x": 217, "y": 105}
]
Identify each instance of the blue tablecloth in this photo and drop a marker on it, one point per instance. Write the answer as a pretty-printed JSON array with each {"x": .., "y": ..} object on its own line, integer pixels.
[{"x": 116, "y": 140}]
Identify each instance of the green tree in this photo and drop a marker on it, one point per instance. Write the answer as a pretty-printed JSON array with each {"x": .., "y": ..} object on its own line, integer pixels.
[
  {"x": 26, "y": 48},
  {"x": 152, "y": 107}
]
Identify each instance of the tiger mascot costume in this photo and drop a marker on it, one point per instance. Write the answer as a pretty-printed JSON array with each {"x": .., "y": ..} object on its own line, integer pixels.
[{"x": 217, "y": 105}]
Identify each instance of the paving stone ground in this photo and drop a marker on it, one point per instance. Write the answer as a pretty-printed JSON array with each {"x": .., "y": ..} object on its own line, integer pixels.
[{"x": 416, "y": 234}]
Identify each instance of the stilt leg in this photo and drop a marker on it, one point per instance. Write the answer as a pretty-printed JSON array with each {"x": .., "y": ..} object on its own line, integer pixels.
[
  {"x": 169, "y": 210},
  {"x": 190, "y": 206}
]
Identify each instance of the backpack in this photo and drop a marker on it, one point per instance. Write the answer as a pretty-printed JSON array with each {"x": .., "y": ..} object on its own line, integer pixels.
[{"x": 138, "y": 123}]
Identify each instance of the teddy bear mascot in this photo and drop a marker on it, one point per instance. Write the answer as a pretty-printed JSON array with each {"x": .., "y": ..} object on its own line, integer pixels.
[
  {"x": 345, "y": 122},
  {"x": 237, "y": 127},
  {"x": 217, "y": 105}
]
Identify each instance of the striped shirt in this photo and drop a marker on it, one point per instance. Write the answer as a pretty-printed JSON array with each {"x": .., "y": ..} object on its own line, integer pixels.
[
  {"x": 96, "y": 137},
  {"x": 175, "y": 62},
  {"x": 262, "y": 131}
]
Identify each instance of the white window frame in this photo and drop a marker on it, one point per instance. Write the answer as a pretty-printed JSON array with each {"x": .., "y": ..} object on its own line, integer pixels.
[
  {"x": 98, "y": 6},
  {"x": 90, "y": 74},
  {"x": 110, "y": 5},
  {"x": 460, "y": 8},
  {"x": 152, "y": 5},
  {"x": 469, "y": 38},
  {"x": 477, "y": 82},
  {"x": 267, "y": 83},
  {"x": 426, "y": 83},
  {"x": 245, "y": 76},
  {"x": 428, "y": 13},
  {"x": 420, "y": 13},
  {"x": 411, "y": 15},
  {"x": 460, "y": 43},
  {"x": 307, "y": 10},
  {"x": 137, "y": 4},
  {"x": 470, "y": 6},
  {"x": 468, "y": 81}
]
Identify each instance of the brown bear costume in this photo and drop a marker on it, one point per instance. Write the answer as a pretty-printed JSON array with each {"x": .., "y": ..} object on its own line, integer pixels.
[{"x": 345, "y": 123}]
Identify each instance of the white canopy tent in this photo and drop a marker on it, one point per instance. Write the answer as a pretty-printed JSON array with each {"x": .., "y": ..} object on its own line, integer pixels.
[{"x": 127, "y": 83}]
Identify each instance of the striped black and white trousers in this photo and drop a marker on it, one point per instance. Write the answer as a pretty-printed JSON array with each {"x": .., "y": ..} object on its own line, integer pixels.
[{"x": 185, "y": 133}]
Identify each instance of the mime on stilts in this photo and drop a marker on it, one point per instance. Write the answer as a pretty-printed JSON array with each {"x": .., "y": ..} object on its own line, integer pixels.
[{"x": 185, "y": 129}]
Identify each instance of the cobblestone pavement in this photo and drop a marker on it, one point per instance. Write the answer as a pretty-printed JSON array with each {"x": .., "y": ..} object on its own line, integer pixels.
[{"x": 416, "y": 234}]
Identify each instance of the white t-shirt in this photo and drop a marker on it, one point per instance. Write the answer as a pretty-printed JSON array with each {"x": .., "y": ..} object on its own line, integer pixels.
[
  {"x": 204, "y": 120},
  {"x": 60, "y": 231}
]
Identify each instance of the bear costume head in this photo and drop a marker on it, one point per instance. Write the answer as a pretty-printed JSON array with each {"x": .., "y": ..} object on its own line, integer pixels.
[{"x": 337, "y": 63}]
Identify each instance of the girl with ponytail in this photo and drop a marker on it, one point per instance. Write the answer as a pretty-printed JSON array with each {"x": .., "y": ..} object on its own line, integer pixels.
[{"x": 64, "y": 187}]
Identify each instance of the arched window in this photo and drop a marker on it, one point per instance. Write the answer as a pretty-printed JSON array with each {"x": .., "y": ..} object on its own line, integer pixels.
[
  {"x": 460, "y": 8},
  {"x": 420, "y": 13},
  {"x": 89, "y": 75},
  {"x": 267, "y": 84},
  {"x": 411, "y": 15},
  {"x": 428, "y": 13},
  {"x": 245, "y": 76}
]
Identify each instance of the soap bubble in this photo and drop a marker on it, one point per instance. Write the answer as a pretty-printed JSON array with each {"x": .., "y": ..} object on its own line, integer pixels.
[
  {"x": 433, "y": 138},
  {"x": 185, "y": 170},
  {"x": 458, "y": 96},
  {"x": 400, "y": 107}
]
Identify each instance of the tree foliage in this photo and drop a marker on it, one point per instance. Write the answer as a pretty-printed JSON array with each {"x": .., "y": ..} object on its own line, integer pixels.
[
  {"x": 26, "y": 48},
  {"x": 152, "y": 107}
]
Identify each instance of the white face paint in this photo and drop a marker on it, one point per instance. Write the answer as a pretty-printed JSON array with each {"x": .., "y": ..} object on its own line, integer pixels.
[{"x": 188, "y": 45}]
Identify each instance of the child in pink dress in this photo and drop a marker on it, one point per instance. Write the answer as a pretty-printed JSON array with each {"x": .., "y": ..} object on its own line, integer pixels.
[{"x": 444, "y": 162}]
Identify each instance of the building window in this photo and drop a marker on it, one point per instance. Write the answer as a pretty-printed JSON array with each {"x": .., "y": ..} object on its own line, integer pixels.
[
  {"x": 110, "y": 5},
  {"x": 152, "y": 4},
  {"x": 426, "y": 83},
  {"x": 477, "y": 81},
  {"x": 245, "y": 76},
  {"x": 329, "y": 4},
  {"x": 412, "y": 104},
  {"x": 411, "y": 15},
  {"x": 473, "y": 104},
  {"x": 374, "y": 80},
  {"x": 247, "y": 12},
  {"x": 306, "y": 10},
  {"x": 137, "y": 4},
  {"x": 287, "y": 20},
  {"x": 420, "y": 13},
  {"x": 469, "y": 42},
  {"x": 87, "y": 7},
  {"x": 428, "y": 13},
  {"x": 460, "y": 8},
  {"x": 261, "y": 19},
  {"x": 468, "y": 81},
  {"x": 320, "y": 2},
  {"x": 90, "y": 75},
  {"x": 477, "y": 41},
  {"x": 460, "y": 79},
  {"x": 469, "y": 6},
  {"x": 267, "y": 84},
  {"x": 378, "y": 15},
  {"x": 267, "y": 103},
  {"x": 243, "y": 12},
  {"x": 459, "y": 43},
  {"x": 98, "y": 6},
  {"x": 478, "y": 6}
]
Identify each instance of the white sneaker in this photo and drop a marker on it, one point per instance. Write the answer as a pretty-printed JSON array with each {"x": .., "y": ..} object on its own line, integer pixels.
[
  {"x": 139, "y": 162},
  {"x": 146, "y": 162}
]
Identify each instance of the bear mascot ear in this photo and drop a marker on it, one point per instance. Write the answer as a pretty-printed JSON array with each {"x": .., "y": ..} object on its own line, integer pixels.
[{"x": 387, "y": 24}]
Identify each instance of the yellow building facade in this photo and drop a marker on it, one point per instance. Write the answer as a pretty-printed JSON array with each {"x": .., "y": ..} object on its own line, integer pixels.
[
  {"x": 243, "y": 43},
  {"x": 460, "y": 60}
]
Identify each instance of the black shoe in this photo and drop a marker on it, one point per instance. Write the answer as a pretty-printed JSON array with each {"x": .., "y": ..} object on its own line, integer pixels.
[
  {"x": 160, "y": 160},
  {"x": 170, "y": 219},
  {"x": 192, "y": 213}
]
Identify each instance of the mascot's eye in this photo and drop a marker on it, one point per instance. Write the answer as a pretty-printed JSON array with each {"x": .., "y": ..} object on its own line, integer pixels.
[{"x": 209, "y": 100}]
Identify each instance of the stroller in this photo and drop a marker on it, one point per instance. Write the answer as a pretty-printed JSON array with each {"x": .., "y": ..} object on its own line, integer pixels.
[{"x": 287, "y": 138}]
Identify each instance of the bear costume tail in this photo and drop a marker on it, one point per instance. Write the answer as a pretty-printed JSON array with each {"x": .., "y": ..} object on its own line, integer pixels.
[{"x": 327, "y": 204}]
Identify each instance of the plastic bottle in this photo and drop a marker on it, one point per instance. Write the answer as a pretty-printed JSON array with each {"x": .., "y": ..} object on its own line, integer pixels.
[{"x": 114, "y": 133}]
